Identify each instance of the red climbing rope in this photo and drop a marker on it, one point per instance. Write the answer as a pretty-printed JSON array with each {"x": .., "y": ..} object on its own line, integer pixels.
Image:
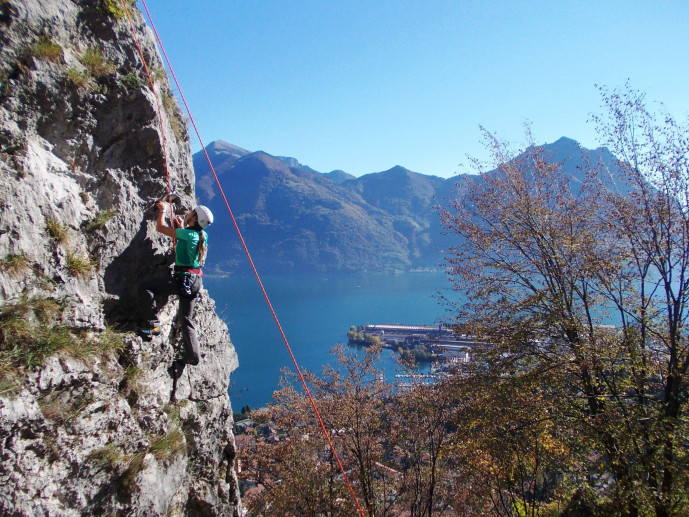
[{"x": 248, "y": 255}]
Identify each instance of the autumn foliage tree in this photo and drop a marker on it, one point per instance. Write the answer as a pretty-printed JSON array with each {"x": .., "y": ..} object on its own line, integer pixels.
[
  {"x": 544, "y": 262},
  {"x": 296, "y": 471},
  {"x": 351, "y": 398},
  {"x": 394, "y": 446}
]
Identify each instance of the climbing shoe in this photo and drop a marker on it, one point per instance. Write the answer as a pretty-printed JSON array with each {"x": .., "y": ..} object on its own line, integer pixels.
[{"x": 150, "y": 332}]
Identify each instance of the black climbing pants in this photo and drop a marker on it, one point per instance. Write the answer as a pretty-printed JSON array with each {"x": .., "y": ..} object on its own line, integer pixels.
[{"x": 173, "y": 286}]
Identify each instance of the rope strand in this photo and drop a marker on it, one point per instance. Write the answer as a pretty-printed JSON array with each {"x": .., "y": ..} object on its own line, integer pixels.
[
  {"x": 248, "y": 255},
  {"x": 159, "y": 111}
]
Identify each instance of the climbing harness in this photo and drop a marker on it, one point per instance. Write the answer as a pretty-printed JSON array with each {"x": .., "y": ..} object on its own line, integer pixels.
[
  {"x": 239, "y": 234},
  {"x": 185, "y": 277}
]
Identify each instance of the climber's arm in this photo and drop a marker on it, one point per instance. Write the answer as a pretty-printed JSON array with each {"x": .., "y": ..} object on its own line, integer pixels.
[{"x": 161, "y": 224}]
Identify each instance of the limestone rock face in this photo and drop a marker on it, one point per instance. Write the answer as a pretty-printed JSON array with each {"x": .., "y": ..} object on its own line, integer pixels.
[{"x": 85, "y": 152}]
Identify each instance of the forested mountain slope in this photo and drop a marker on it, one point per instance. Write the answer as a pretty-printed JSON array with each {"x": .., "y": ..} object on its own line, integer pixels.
[{"x": 296, "y": 219}]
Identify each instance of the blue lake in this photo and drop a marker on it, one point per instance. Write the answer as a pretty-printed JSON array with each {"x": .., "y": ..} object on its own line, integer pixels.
[{"x": 315, "y": 312}]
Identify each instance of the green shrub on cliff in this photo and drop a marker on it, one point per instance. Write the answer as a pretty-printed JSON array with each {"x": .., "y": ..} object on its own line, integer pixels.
[{"x": 114, "y": 8}]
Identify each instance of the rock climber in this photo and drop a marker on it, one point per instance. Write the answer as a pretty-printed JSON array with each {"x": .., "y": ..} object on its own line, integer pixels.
[{"x": 190, "y": 254}]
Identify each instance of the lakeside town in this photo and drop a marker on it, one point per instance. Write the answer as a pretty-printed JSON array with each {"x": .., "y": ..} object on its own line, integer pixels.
[{"x": 439, "y": 345}]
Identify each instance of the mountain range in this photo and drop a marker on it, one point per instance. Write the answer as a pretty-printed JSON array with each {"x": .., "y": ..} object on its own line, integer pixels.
[{"x": 294, "y": 218}]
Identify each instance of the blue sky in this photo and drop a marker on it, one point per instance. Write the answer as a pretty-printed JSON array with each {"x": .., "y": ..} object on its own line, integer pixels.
[{"x": 363, "y": 86}]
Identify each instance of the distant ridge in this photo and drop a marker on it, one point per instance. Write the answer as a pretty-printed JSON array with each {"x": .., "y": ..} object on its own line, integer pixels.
[
  {"x": 339, "y": 176},
  {"x": 297, "y": 219}
]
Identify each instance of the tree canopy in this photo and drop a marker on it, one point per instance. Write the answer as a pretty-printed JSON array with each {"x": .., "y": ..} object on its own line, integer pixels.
[{"x": 547, "y": 264}]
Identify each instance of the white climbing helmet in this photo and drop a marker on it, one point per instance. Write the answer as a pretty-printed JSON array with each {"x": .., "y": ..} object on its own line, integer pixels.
[{"x": 203, "y": 215}]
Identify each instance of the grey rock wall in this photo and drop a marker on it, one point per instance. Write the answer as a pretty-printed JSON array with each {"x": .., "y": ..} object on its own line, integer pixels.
[{"x": 82, "y": 159}]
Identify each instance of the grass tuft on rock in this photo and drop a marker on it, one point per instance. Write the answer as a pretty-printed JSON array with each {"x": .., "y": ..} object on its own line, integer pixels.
[
  {"x": 80, "y": 265},
  {"x": 80, "y": 79},
  {"x": 57, "y": 230},
  {"x": 30, "y": 332},
  {"x": 95, "y": 63},
  {"x": 15, "y": 264},
  {"x": 107, "y": 456},
  {"x": 46, "y": 49},
  {"x": 99, "y": 221},
  {"x": 164, "y": 448},
  {"x": 169, "y": 445}
]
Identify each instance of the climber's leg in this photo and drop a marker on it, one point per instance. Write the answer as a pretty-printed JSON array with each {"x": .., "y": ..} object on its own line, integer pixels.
[
  {"x": 186, "y": 312},
  {"x": 150, "y": 325}
]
